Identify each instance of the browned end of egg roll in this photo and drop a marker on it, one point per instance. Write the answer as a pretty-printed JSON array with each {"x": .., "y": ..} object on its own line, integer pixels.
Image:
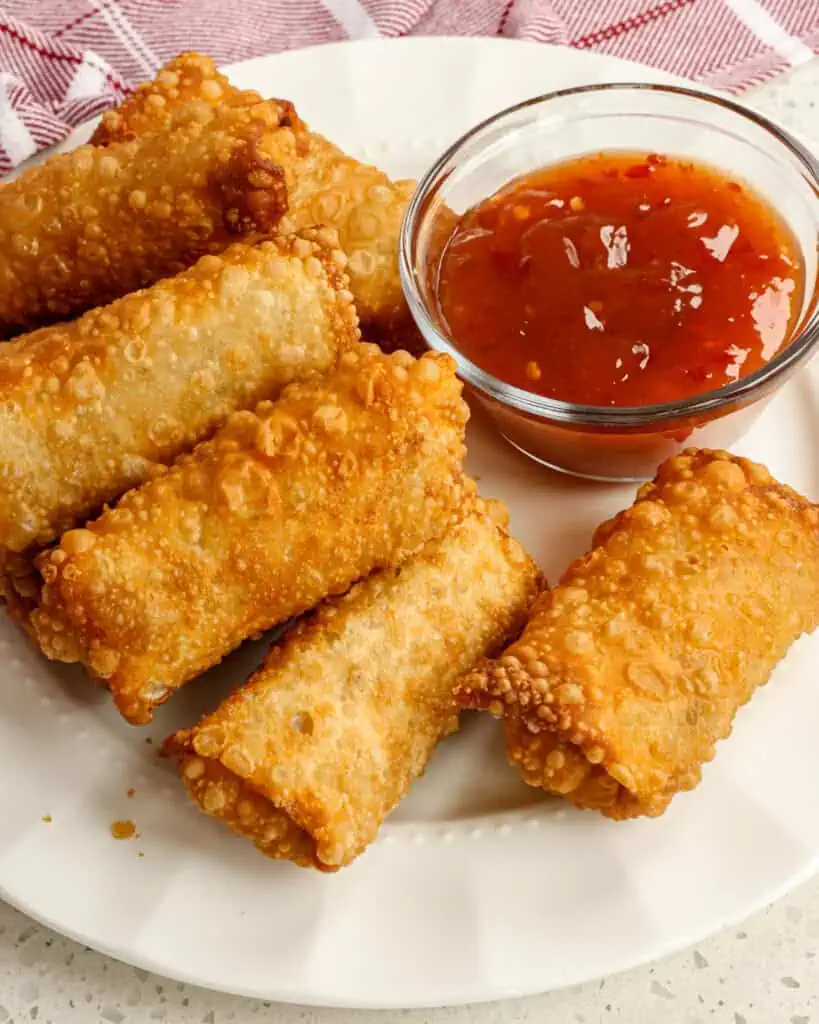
[
  {"x": 325, "y": 185},
  {"x": 89, "y": 226},
  {"x": 632, "y": 668}
]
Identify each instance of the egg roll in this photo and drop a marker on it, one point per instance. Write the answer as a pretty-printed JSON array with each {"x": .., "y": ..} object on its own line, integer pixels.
[
  {"x": 88, "y": 226},
  {"x": 283, "y": 507},
  {"x": 325, "y": 187},
  {"x": 630, "y": 671},
  {"x": 190, "y": 78},
  {"x": 315, "y": 750},
  {"x": 19, "y": 585},
  {"x": 91, "y": 408}
]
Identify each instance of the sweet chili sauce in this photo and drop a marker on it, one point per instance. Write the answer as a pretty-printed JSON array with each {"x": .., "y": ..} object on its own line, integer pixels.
[{"x": 621, "y": 279}]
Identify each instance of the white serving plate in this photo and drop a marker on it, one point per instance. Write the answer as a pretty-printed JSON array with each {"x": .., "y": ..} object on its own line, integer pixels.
[{"x": 478, "y": 887}]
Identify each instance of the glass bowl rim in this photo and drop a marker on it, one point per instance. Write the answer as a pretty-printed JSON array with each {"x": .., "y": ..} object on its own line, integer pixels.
[{"x": 577, "y": 413}]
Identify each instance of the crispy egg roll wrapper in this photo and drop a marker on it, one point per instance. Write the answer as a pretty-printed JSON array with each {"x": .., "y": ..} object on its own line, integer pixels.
[
  {"x": 19, "y": 585},
  {"x": 632, "y": 668},
  {"x": 283, "y": 507},
  {"x": 91, "y": 408},
  {"x": 325, "y": 186},
  {"x": 190, "y": 78},
  {"x": 309, "y": 757},
  {"x": 88, "y": 226}
]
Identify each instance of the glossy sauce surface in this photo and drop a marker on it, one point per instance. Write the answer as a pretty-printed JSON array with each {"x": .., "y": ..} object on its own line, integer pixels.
[{"x": 621, "y": 279}]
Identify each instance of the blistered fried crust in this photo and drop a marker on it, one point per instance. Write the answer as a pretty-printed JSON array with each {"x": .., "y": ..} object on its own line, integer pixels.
[
  {"x": 309, "y": 757},
  {"x": 89, "y": 226},
  {"x": 325, "y": 187},
  {"x": 366, "y": 208},
  {"x": 283, "y": 507},
  {"x": 91, "y": 408},
  {"x": 189, "y": 79},
  {"x": 635, "y": 665},
  {"x": 19, "y": 586}
]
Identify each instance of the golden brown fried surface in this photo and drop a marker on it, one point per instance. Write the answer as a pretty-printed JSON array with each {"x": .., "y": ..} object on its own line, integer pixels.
[
  {"x": 325, "y": 187},
  {"x": 190, "y": 78},
  {"x": 89, "y": 226},
  {"x": 91, "y": 408},
  {"x": 309, "y": 757},
  {"x": 283, "y": 507},
  {"x": 635, "y": 665},
  {"x": 19, "y": 587}
]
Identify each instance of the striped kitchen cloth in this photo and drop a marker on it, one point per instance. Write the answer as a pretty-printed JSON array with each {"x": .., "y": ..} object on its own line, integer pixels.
[{"x": 63, "y": 61}]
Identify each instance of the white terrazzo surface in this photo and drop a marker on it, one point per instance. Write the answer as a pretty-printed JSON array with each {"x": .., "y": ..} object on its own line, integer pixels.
[{"x": 764, "y": 972}]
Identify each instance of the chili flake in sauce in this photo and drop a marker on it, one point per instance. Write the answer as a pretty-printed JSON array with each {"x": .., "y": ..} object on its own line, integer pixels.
[{"x": 621, "y": 279}]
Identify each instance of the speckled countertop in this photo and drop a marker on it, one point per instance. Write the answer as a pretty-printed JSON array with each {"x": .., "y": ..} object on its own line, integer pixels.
[{"x": 764, "y": 972}]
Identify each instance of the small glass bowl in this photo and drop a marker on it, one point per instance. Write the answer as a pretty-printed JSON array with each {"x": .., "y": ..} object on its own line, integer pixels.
[{"x": 620, "y": 443}]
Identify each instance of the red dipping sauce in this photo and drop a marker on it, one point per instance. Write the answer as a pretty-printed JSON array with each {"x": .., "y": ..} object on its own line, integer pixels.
[{"x": 621, "y": 279}]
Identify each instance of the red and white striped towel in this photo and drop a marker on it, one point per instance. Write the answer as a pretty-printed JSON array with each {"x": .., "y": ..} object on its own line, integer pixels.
[{"x": 62, "y": 61}]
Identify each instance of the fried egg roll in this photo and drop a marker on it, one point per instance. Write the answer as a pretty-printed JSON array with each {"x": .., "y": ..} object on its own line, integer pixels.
[
  {"x": 283, "y": 507},
  {"x": 19, "y": 585},
  {"x": 91, "y": 225},
  {"x": 310, "y": 756},
  {"x": 91, "y": 408},
  {"x": 629, "y": 671},
  {"x": 190, "y": 78},
  {"x": 325, "y": 187}
]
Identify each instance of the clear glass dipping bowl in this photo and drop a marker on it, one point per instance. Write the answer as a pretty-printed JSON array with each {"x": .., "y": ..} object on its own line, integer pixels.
[{"x": 605, "y": 443}]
